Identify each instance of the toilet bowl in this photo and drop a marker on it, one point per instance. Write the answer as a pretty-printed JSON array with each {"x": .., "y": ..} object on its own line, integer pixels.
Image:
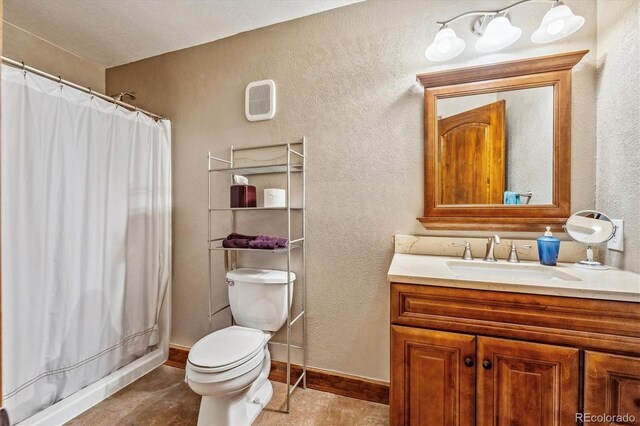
[{"x": 233, "y": 378}]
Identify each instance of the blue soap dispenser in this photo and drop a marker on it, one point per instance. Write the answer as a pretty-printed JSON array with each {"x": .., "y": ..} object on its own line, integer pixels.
[{"x": 548, "y": 248}]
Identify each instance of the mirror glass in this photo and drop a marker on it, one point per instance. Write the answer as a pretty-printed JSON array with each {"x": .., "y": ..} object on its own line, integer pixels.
[
  {"x": 590, "y": 227},
  {"x": 496, "y": 148}
]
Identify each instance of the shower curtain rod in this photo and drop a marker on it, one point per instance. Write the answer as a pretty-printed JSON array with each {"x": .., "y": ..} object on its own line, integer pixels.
[{"x": 60, "y": 80}]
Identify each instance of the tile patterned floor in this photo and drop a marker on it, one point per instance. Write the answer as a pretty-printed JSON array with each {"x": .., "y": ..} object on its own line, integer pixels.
[{"x": 162, "y": 398}]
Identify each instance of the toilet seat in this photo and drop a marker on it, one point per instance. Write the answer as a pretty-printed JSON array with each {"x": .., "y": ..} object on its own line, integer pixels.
[
  {"x": 204, "y": 375},
  {"x": 228, "y": 349}
]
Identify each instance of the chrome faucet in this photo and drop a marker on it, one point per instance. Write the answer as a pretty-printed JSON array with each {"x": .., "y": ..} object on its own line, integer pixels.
[{"x": 489, "y": 256}]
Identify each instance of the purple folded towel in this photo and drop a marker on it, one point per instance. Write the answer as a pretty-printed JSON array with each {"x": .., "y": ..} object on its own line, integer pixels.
[
  {"x": 268, "y": 242},
  {"x": 265, "y": 242}
]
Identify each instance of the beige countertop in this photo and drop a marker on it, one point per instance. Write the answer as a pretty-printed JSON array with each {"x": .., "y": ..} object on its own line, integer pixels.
[{"x": 566, "y": 279}]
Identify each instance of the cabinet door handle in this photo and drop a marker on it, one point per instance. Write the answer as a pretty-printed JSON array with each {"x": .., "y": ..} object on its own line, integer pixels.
[
  {"x": 486, "y": 364},
  {"x": 468, "y": 362}
]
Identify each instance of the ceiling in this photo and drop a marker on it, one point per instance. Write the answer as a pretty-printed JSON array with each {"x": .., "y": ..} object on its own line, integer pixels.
[{"x": 116, "y": 32}]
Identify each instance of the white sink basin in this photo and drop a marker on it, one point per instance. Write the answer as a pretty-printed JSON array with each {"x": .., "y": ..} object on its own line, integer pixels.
[{"x": 500, "y": 271}]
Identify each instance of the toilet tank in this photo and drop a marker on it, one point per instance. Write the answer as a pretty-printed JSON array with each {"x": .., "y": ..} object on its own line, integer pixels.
[{"x": 258, "y": 297}]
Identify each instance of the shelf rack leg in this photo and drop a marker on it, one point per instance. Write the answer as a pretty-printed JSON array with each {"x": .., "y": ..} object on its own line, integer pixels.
[
  {"x": 209, "y": 236},
  {"x": 304, "y": 263},
  {"x": 233, "y": 212},
  {"x": 289, "y": 278},
  {"x": 233, "y": 254}
]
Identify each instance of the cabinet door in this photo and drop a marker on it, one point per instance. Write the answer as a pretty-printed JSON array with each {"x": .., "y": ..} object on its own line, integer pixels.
[
  {"x": 524, "y": 384},
  {"x": 432, "y": 377},
  {"x": 612, "y": 388}
]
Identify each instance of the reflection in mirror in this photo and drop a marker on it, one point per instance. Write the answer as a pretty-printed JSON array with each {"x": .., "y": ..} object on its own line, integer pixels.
[
  {"x": 496, "y": 148},
  {"x": 590, "y": 227}
]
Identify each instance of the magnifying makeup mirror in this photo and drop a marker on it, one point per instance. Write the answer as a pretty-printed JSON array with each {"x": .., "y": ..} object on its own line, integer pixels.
[{"x": 590, "y": 227}]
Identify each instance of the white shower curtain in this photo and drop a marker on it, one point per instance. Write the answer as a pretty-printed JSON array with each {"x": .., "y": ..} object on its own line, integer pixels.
[{"x": 86, "y": 206}]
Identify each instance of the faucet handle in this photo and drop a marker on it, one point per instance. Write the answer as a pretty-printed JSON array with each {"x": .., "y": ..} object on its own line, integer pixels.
[
  {"x": 467, "y": 250},
  {"x": 513, "y": 255}
]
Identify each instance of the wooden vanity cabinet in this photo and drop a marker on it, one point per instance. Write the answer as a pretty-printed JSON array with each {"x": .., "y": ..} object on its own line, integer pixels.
[{"x": 465, "y": 357}]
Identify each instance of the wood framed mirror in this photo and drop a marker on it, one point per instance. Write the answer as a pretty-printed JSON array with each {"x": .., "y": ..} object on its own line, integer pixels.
[{"x": 498, "y": 145}]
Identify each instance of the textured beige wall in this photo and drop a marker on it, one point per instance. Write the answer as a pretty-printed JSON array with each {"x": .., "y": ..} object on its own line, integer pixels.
[
  {"x": 38, "y": 53},
  {"x": 346, "y": 80},
  {"x": 618, "y": 164}
]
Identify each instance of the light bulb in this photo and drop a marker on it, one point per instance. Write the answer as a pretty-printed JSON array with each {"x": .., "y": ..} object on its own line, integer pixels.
[
  {"x": 555, "y": 27},
  {"x": 446, "y": 45},
  {"x": 499, "y": 34},
  {"x": 557, "y": 23}
]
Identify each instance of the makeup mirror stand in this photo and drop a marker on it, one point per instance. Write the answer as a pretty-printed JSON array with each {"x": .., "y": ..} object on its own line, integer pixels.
[{"x": 590, "y": 227}]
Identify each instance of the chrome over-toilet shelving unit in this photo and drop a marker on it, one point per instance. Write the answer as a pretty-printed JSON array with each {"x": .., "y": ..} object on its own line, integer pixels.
[{"x": 289, "y": 168}]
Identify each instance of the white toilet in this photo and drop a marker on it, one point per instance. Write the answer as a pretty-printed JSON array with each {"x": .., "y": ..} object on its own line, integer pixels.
[{"x": 230, "y": 367}]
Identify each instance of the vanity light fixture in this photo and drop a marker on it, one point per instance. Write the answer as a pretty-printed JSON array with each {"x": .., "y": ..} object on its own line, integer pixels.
[{"x": 496, "y": 32}]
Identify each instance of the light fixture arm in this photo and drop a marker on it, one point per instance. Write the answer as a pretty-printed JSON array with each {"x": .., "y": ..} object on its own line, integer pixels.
[
  {"x": 492, "y": 12},
  {"x": 465, "y": 15},
  {"x": 506, "y": 9}
]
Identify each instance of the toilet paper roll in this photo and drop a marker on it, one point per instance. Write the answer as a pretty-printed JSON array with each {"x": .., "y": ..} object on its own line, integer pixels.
[{"x": 274, "y": 197}]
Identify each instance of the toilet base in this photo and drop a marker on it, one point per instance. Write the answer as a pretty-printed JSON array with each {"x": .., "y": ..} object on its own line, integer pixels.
[
  {"x": 238, "y": 408},
  {"x": 239, "y": 412},
  {"x": 259, "y": 401}
]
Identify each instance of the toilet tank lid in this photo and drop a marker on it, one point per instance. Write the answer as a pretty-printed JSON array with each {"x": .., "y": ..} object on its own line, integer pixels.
[{"x": 260, "y": 276}]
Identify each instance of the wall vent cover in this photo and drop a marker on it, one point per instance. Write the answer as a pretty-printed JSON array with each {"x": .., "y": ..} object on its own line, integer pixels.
[{"x": 260, "y": 100}]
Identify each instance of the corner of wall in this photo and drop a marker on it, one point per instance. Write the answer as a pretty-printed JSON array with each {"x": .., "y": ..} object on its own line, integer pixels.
[{"x": 617, "y": 123}]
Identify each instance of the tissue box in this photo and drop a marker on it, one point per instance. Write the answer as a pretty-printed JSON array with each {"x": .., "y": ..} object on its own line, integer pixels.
[{"x": 243, "y": 196}]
